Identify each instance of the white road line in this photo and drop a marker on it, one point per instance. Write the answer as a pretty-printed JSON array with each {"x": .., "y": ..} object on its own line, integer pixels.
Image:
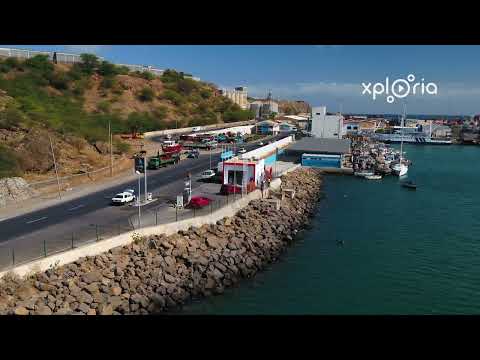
[
  {"x": 76, "y": 207},
  {"x": 32, "y": 221}
]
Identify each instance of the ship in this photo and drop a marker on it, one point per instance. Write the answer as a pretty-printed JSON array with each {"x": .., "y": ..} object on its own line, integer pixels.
[{"x": 411, "y": 135}]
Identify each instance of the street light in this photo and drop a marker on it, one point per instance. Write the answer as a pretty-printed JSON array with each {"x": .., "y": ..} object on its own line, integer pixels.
[{"x": 138, "y": 198}]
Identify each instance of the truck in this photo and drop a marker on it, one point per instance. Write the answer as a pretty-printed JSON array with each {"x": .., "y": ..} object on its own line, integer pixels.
[
  {"x": 172, "y": 149},
  {"x": 156, "y": 162}
]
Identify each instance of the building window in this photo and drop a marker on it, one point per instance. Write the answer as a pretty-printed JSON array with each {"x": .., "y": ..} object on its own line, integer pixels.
[
  {"x": 235, "y": 175},
  {"x": 318, "y": 114}
]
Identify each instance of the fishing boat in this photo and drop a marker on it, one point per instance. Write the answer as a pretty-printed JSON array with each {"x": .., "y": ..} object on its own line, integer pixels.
[
  {"x": 373, "y": 177},
  {"x": 401, "y": 168},
  {"x": 409, "y": 184}
]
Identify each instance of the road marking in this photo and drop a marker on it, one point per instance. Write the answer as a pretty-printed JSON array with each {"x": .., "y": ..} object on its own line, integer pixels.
[
  {"x": 76, "y": 207},
  {"x": 32, "y": 221}
]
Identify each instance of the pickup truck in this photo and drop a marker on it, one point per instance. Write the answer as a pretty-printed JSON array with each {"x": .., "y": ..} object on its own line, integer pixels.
[{"x": 156, "y": 162}]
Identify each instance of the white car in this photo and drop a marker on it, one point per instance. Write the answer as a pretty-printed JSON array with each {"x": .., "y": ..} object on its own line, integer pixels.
[
  {"x": 242, "y": 151},
  {"x": 261, "y": 143},
  {"x": 207, "y": 174},
  {"x": 197, "y": 128},
  {"x": 123, "y": 198}
]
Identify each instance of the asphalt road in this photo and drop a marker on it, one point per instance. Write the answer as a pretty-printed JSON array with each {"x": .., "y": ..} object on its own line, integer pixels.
[{"x": 75, "y": 215}]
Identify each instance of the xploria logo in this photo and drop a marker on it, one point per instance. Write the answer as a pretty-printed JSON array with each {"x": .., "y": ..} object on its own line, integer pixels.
[{"x": 399, "y": 88}]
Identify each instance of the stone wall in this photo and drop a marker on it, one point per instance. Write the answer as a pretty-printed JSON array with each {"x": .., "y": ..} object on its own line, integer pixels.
[{"x": 159, "y": 272}]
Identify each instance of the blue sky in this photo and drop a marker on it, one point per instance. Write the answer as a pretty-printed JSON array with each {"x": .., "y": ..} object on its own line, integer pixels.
[{"x": 321, "y": 75}]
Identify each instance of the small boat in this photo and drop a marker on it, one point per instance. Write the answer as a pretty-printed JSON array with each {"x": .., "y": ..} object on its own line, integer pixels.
[
  {"x": 409, "y": 184},
  {"x": 364, "y": 173},
  {"x": 373, "y": 177}
]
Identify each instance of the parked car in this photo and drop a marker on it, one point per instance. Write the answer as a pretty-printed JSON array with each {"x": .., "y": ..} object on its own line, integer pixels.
[
  {"x": 242, "y": 151},
  {"x": 197, "y": 128},
  {"x": 261, "y": 143},
  {"x": 123, "y": 198},
  {"x": 198, "y": 202},
  {"x": 207, "y": 174},
  {"x": 194, "y": 154}
]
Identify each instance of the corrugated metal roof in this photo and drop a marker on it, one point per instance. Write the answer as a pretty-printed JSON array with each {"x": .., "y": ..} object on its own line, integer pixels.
[{"x": 319, "y": 145}]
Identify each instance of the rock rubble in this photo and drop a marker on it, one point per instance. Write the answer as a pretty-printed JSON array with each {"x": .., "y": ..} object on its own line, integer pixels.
[{"x": 158, "y": 273}]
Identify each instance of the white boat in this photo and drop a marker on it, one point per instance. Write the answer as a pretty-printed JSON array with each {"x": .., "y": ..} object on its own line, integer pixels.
[
  {"x": 364, "y": 173},
  {"x": 373, "y": 177},
  {"x": 401, "y": 169}
]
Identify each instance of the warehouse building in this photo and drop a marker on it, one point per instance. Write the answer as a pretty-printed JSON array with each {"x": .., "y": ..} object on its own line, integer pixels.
[{"x": 320, "y": 153}]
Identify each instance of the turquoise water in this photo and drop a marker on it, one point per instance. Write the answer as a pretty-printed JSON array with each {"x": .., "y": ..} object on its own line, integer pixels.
[{"x": 405, "y": 252}]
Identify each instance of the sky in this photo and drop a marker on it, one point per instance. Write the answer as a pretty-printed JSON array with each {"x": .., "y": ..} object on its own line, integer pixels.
[{"x": 330, "y": 75}]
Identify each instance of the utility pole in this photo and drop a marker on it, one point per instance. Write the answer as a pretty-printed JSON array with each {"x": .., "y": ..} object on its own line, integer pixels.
[
  {"x": 145, "y": 174},
  {"x": 138, "y": 200},
  {"x": 55, "y": 165},
  {"x": 110, "y": 138}
]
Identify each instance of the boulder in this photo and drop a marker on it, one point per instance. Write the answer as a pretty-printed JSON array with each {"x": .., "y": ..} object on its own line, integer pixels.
[{"x": 21, "y": 311}]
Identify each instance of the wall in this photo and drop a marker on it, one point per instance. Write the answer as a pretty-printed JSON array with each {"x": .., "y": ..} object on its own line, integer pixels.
[
  {"x": 267, "y": 149},
  {"x": 125, "y": 239},
  {"x": 190, "y": 129}
]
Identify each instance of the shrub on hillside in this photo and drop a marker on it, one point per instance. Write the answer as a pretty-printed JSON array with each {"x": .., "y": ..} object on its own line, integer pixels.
[
  {"x": 40, "y": 63},
  {"x": 10, "y": 118},
  {"x": 186, "y": 86},
  {"x": 107, "y": 69},
  {"x": 59, "y": 81},
  {"x": 170, "y": 76},
  {"x": 89, "y": 63},
  {"x": 123, "y": 70},
  {"x": 121, "y": 147},
  {"x": 13, "y": 63},
  {"x": 205, "y": 93},
  {"x": 174, "y": 97},
  {"x": 147, "y": 75},
  {"x": 9, "y": 165},
  {"x": 160, "y": 112},
  {"x": 237, "y": 115},
  {"x": 104, "y": 106},
  {"x": 146, "y": 94}
]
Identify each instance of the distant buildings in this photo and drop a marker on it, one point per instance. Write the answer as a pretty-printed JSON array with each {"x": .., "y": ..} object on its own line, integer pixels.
[
  {"x": 238, "y": 96},
  {"x": 267, "y": 127},
  {"x": 326, "y": 125},
  {"x": 301, "y": 122},
  {"x": 264, "y": 108}
]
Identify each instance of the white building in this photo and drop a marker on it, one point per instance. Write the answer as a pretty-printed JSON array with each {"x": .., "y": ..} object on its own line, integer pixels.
[
  {"x": 238, "y": 96},
  {"x": 325, "y": 125}
]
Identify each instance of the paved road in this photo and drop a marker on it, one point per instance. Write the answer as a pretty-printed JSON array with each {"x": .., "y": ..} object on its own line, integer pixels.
[{"x": 75, "y": 215}]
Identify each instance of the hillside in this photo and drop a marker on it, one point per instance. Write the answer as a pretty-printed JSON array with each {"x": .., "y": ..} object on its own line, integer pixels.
[
  {"x": 73, "y": 104},
  {"x": 289, "y": 107}
]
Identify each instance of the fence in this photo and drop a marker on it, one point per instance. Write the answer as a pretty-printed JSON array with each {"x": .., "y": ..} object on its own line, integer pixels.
[
  {"x": 67, "y": 58},
  {"x": 27, "y": 54},
  {"x": 162, "y": 212},
  {"x": 17, "y": 253}
]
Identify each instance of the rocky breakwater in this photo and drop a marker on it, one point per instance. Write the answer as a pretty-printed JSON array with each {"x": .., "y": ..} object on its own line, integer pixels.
[{"x": 158, "y": 273}]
